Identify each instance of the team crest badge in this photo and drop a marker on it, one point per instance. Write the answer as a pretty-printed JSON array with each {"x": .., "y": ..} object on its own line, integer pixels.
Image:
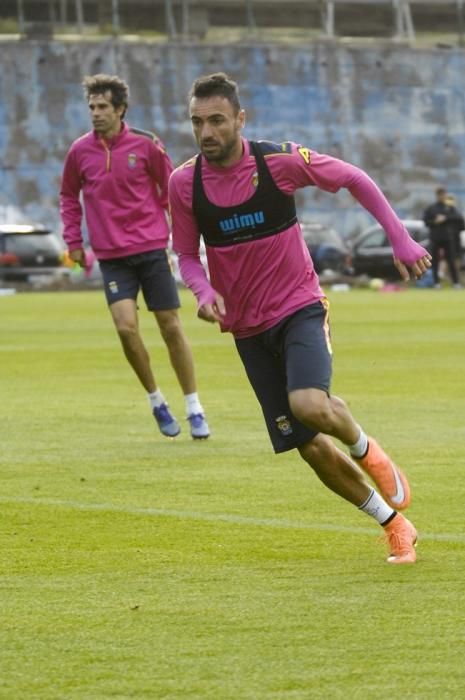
[
  {"x": 113, "y": 287},
  {"x": 255, "y": 180},
  {"x": 284, "y": 425},
  {"x": 132, "y": 160}
]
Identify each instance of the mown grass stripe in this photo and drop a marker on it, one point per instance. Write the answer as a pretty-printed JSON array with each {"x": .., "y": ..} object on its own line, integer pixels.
[{"x": 220, "y": 517}]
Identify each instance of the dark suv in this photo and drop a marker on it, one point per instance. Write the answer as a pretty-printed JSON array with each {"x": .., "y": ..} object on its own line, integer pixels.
[
  {"x": 372, "y": 253},
  {"x": 27, "y": 251}
]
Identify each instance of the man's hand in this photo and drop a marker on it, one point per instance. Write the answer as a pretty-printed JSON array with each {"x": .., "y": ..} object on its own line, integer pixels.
[
  {"x": 78, "y": 256},
  {"x": 213, "y": 313},
  {"x": 418, "y": 268}
]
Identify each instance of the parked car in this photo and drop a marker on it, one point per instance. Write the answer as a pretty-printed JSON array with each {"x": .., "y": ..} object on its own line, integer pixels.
[
  {"x": 372, "y": 253},
  {"x": 27, "y": 251},
  {"x": 328, "y": 249}
]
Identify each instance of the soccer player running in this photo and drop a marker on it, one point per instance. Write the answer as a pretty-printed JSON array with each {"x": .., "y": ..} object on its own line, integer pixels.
[
  {"x": 263, "y": 288},
  {"x": 123, "y": 174}
]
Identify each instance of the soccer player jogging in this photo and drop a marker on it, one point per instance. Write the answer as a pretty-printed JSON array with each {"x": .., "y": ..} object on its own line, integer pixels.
[
  {"x": 238, "y": 195},
  {"x": 123, "y": 175}
]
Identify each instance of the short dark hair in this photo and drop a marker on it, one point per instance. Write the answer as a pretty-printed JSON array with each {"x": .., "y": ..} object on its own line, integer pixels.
[
  {"x": 216, "y": 84},
  {"x": 101, "y": 82},
  {"x": 441, "y": 190}
]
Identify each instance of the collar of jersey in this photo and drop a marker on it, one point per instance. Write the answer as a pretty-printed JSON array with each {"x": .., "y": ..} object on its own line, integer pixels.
[
  {"x": 114, "y": 139},
  {"x": 230, "y": 168}
]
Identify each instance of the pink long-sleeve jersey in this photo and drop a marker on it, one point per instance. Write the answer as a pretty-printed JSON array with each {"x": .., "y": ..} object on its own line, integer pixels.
[
  {"x": 264, "y": 280},
  {"x": 124, "y": 182}
]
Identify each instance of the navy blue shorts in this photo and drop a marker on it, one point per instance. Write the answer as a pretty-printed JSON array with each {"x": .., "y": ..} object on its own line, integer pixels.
[
  {"x": 294, "y": 354},
  {"x": 123, "y": 278}
]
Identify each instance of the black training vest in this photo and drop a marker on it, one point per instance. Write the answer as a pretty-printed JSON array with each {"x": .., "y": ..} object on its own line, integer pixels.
[{"x": 267, "y": 212}]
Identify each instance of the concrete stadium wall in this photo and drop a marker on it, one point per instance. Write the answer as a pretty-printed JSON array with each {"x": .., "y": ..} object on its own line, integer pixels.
[{"x": 397, "y": 112}]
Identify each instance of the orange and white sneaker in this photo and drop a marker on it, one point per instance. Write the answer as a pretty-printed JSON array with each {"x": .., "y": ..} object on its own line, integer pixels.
[
  {"x": 402, "y": 538},
  {"x": 387, "y": 476}
]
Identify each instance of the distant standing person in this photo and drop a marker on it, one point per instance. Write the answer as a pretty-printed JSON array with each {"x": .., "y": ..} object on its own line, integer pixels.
[
  {"x": 459, "y": 226},
  {"x": 443, "y": 220},
  {"x": 238, "y": 195},
  {"x": 123, "y": 174}
]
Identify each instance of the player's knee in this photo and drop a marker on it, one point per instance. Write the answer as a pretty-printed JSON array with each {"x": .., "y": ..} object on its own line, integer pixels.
[
  {"x": 317, "y": 451},
  {"x": 126, "y": 330},
  {"x": 171, "y": 331},
  {"x": 338, "y": 403},
  {"x": 314, "y": 414}
]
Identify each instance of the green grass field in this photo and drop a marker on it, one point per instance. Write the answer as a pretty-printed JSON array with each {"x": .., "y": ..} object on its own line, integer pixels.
[{"x": 133, "y": 566}]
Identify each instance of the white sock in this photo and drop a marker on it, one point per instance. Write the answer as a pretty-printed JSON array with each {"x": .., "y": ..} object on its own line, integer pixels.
[
  {"x": 359, "y": 448},
  {"x": 193, "y": 404},
  {"x": 156, "y": 399},
  {"x": 377, "y": 508}
]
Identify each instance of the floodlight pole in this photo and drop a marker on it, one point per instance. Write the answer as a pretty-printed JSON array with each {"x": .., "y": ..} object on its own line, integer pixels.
[
  {"x": 79, "y": 16},
  {"x": 170, "y": 21},
  {"x": 115, "y": 19},
  {"x": 51, "y": 14},
  {"x": 21, "y": 20},
  {"x": 251, "y": 24},
  {"x": 185, "y": 19},
  {"x": 460, "y": 21},
  {"x": 63, "y": 12}
]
